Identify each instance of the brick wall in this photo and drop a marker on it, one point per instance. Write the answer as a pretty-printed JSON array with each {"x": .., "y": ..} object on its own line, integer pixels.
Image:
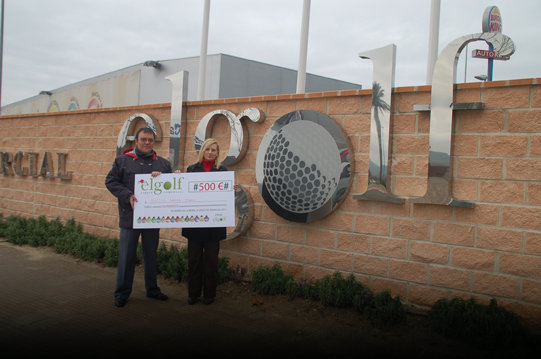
[{"x": 418, "y": 251}]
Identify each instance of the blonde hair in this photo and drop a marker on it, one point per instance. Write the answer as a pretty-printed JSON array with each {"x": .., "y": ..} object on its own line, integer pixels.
[{"x": 208, "y": 142}]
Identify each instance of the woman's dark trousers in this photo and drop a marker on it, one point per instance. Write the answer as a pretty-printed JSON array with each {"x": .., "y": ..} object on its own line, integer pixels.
[{"x": 203, "y": 267}]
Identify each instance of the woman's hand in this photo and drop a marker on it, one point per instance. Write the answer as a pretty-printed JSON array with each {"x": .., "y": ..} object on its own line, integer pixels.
[{"x": 155, "y": 173}]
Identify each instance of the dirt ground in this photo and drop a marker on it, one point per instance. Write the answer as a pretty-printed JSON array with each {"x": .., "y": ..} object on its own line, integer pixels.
[
  {"x": 50, "y": 302},
  {"x": 356, "y": 332},
  {"x": 344, "y": 331}
]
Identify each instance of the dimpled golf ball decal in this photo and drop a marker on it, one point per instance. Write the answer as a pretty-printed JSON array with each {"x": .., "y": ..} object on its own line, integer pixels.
[{"x": 303, "y": 166}]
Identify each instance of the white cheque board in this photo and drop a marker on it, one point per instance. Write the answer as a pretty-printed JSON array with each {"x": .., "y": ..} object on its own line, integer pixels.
[{"x": 175, "y": 200}]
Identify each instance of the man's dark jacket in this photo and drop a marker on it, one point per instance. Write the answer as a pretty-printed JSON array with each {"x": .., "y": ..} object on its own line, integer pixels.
[
  {"x": 120, "y": 180},
  {"x": 204, "y": 233}
]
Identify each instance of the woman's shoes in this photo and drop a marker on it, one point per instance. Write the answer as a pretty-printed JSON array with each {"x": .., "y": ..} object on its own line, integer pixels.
[
  {"x": 193, "y": 300},
  {"x": 208, "y": 300}
]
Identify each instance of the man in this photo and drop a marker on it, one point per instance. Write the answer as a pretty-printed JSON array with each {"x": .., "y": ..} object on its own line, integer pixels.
[{"x": 120, "y": 182}]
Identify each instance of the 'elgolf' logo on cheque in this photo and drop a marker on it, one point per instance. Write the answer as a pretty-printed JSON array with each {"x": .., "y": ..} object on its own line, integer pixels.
[{"x": 155, "y": 186}]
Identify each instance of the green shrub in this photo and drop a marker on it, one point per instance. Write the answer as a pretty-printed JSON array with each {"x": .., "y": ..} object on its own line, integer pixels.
[
  {"x": 15, "y": 230},
  {"x": 55, "y": 228},
  {"x": 338, "y": 292},
  {"x": 67, "y": 238},
  {"x": 363, "y": 299},
  {"x": 225, "y": 273},
  {"x": 33, "y": 232},
  {"x": 173, "y": 262},
  {"x": 270, "y": 281},
  {"x": 386, "y": 309},
  {"x": 110, "y": 257},
  {"x": 303, "y": 289},
  {"x": 92, "y": 248},
  {"x": 62, "y": 244},
  {"x": 485, "y": 326},
  {"x": 334, "y": 290},
  {"x": 162, "y": 256}
]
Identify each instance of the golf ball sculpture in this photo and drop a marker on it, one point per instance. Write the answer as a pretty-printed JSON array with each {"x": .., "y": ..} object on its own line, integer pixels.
[{"x": 303, "y": 166}]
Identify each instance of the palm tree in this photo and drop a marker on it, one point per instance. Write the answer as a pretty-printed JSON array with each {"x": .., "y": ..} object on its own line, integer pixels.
[{"x": 379, "y": 104}]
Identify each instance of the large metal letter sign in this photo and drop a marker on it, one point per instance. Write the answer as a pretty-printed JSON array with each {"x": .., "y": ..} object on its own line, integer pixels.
[
  {"x": 303, "y": 166},
  {"x": 304, "y": 162},
  {"x": 245, "y": 207},
  {"x": 384, "y": 60},
  {"x": 239, "y": 140},
  {"x": 238, "y": 145},
  {"x": 441, "y": 115},
  {"x": 126, "y": 132},
  {"x": 177, "y": 130}
]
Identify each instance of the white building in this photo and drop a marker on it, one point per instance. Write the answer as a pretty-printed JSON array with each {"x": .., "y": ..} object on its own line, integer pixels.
[{"x": 227, "y": 76}]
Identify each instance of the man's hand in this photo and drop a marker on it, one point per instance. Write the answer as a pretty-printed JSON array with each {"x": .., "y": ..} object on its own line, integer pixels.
[{"x": 132, "y": 200}]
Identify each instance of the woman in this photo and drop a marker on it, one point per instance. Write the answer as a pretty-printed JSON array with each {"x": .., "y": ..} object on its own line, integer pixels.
[{"x": 204, "y": 243}]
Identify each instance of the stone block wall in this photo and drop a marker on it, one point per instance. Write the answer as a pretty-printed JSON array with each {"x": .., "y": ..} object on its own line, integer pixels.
[{"x": 421, "y": 252}]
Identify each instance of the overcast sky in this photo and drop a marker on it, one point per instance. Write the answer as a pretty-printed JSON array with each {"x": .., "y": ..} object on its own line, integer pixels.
[{"x": 53, "y": 43}]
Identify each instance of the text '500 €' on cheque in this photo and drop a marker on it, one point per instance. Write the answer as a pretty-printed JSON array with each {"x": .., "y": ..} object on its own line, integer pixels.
[{"x": 175, "y": 200}]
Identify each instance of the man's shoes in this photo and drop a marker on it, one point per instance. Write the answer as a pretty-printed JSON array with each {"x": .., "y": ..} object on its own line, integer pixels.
[
  {"x": 208, "y": 300},
  {"x": 120, "y": 302},
  {"x": 158, "y": 296}
]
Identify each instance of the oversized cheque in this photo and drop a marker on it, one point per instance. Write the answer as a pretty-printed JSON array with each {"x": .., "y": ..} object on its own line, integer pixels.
[{"x": 195, "y": 199}]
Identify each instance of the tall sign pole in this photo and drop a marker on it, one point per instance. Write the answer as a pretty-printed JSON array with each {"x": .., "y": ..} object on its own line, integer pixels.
[
  {"x": 303, "y": 52},
  {"x": 203, "y": 55},
  {"x": 1, "y": 51},
  {"x": 433, "y": 37}
]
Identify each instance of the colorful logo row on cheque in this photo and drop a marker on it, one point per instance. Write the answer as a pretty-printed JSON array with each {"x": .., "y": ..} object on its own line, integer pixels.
[{"x": 172, "y": 219}]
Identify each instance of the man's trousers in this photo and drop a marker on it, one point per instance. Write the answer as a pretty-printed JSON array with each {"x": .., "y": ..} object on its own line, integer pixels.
[{"x": 127, "y": 257}]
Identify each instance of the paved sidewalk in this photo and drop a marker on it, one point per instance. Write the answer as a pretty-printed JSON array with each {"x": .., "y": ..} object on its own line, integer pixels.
[{"x": 57, "y": 304}]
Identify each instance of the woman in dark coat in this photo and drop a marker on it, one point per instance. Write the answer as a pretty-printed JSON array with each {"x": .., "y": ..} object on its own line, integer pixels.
[{"x": 204, "y": 243}]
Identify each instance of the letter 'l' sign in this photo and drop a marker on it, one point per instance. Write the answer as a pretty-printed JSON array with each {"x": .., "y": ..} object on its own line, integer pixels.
[{"x": 441, "y": 115}]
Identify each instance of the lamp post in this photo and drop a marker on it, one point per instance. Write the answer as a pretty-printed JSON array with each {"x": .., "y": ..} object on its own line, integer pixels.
[{"x": 481, "y": 77}]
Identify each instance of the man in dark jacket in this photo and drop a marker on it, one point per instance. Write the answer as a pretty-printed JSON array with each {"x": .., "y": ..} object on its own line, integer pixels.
[{"x": 120, "y": 181}]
